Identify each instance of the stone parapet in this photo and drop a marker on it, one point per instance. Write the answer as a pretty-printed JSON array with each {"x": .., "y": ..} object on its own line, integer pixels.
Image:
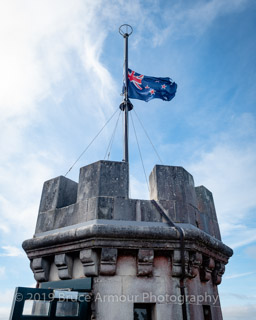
[
  {"x": 102, "y": 193},
  {"x": 206, "y": 217},
  {"x": 103, "y": 178},
  {"x": 57, "y": 193}
]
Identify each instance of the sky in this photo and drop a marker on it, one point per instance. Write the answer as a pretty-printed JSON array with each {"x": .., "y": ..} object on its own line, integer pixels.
[{"x": 61, "y": 65}]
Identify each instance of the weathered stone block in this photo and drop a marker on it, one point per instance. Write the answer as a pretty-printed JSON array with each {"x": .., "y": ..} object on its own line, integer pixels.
[
  {"x": 208, "y": 217},
  {"x": 108, "y": 261},
  {"x": 45, "y": 221},
  {"x": 105, "y": 208},
  {"x": 218, "y": 272},
  {"x": 64, "y": 263},
  {"x": 90, "y": 261},
  {"x": 177, "y": 265},
  {"x": 103, "y": 178},
  {"x": 149, "y": 212},
  {"x": 162, "y": 266},
  {"x": 205, "y": 202},
  {"x": 207, "y": 268},
  {"x": 168, "y": 183},
  {"x": 124, "y": 209},
  {"x": 40, "y": 268},
  {"x": 145, "y": 262},
  {"x": 168, "y": 311},
  {"x": 57, "y": 193},
  {"x": 195, "y": 261},
  {"x": 172, "y": 183},
  {"x": 144, "y": 287},
  {"x": 126, "y": 265},
  {"x": 169, "y": 208}
]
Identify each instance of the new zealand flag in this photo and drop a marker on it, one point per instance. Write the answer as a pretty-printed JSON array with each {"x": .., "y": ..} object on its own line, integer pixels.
[{"x": 146, "y": 88}]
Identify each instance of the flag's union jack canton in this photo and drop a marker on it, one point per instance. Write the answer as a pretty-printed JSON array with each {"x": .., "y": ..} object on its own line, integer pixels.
[{"x": 147, "y": 88}]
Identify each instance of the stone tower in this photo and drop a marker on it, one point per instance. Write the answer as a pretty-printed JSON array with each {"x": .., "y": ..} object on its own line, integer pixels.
[{"x": 152, "y": 259}]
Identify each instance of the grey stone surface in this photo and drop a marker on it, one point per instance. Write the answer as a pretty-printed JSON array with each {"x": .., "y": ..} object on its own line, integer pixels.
[
  {"x": 103, "y": 185},
  {"x": 108, "y": 261},
  {"x": 126, "y": 265},
  {"x": 64, "y": 263},
  {"x": 177, "y": 266},
  {"x": 145, "y": 262},
  {"x": 162, "y": 265},
  {"x": 218, "y": 272},
  {"x": 53, "y": 273},
  {"x": 90, "y": 261},
  {"x": 78, "y": 271},
  {"x": 205, "y": 202},
  {"x": 40, "y": 267},
  {"x": 174, "y": 188},
  {"x": 172, "y": 183},
  {"x": 207, "y": 218},
  {"x": 149, "y": 232},
  {"x": 194, "y": 264},
  {"x": 124, "y": 209},
  {"x": 208, "y": 266},
  {"x": 57, "y": 193},
  {"x": 103, "y": 178}
]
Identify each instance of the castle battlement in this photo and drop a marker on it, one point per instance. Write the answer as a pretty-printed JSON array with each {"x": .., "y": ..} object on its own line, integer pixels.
[{"x": 102, "y": 193}]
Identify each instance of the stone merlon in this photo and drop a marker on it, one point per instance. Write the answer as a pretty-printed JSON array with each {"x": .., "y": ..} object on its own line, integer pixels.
[{"x": 102, "y": 193}]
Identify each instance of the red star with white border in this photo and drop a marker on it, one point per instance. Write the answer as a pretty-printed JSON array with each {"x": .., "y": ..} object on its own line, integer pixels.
[
  {"x": 163, "y": 86},
  {"x": 152, "y": 91}
]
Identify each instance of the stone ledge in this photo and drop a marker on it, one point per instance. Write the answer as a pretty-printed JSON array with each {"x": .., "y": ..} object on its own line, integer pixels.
[{"x": 124, "y": 230}]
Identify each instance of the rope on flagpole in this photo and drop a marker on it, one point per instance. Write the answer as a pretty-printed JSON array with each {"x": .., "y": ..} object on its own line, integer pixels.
[
  {"x": 140, "y": 153},
  {"x": 108, "y": 151},
  {"x": 148, "y": 137},
  {"x": 91, "y": 142}
]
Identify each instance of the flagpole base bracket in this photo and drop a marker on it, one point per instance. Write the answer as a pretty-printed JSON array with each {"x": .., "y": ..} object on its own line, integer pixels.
[{"x": 123, "y": 105}]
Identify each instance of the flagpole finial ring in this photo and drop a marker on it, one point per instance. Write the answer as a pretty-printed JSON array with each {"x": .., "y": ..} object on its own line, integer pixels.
[{"x": 125, "y": 30}]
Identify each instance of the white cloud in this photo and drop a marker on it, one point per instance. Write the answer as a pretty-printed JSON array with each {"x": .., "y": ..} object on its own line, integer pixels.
[
  {"x": 239, "y": 275},
  {"x": 6, "y": 297},
  {"x": 228, "y": 170},
  {"x": 247, "y": 234},
  {"x": 4, "y": 313},
  {"x": 11, "y": 251},
  {"x": 4, "y": 228},
  {"x": 193, "y": 19},
  {"x": 37, "y": 40}
]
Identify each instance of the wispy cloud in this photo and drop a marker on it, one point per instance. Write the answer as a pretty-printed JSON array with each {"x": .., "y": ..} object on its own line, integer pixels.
[
  {"x": 192, "y": 20},
  {"x": 228, "y": 170},
  {"x": 6, "y": 297},
  {"x": 239, "y": 275},
  {"x": 37, "y": 44},
  {"x": 10, "y": 251}
]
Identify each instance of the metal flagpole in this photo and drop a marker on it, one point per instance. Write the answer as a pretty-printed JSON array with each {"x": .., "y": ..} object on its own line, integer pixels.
[{"x": 126, "y": 30}]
